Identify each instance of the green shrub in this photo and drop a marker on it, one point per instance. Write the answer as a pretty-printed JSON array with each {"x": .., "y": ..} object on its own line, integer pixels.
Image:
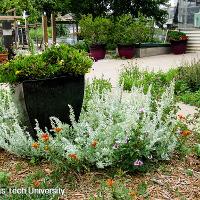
[
  {"x": 55, "y": 61},
  {"x": 129, "y": 31},
  {"x": 132, "y": 76},
  {"x": 176, "y": 36},
  {"x": 81, "y": 45},
  {"x": 95, "y": 30},
  {"x": 187, "y": 86}
]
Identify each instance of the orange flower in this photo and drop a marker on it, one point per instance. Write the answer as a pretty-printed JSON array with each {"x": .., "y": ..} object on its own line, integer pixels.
[
  {"x": 94, "y": 144},
  {"x": 73, "y": 156},
  {"x": 133, "y": 194},
  {"x": 35, "y": 145},
  {"x": 45, "y": 137},
  {"x": 57, "y": 129},
  {"x": 186, "y": 132},
  {"x": 46, "y": 148},
  {"x": 110, "y": 182},
  {"x": 36, "y": 183},
  {"x": 181, "y": 117}
]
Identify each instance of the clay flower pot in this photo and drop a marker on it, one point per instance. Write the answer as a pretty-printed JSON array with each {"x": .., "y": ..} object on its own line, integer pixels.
[
  {"x": 98, "y": 51},
  {"x": 178, "y": 47},
  {"x": 126, "y": 51}
]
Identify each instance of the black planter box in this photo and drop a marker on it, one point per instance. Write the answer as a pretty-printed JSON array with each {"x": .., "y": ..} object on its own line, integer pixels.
[{"x": 41, "y": 99}]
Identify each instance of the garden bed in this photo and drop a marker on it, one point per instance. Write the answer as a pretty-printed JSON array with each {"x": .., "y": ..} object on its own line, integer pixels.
[
  {"x": 178, "y": 179},
  {"x": 151, "y": 49}
]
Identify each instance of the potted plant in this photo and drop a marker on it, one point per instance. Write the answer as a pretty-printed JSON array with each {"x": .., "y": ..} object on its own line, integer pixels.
[
  {"x": 178, "y": 41},
  {"x": 129, "y": 31},
  {"x": 95, "y": 32},
  {"x": 46, "y": 84},
  {"x": 124, "y": 36},
  {"x": 3, "y": 54}
]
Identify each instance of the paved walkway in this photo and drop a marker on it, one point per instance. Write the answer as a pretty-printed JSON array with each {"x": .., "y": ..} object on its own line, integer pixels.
[{"x": 110, "y": 69}]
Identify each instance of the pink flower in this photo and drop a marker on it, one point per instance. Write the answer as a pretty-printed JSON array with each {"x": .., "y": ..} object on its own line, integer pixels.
[
  {"x": 141, "y": 110},
  {"x": 138, "y": 163}
]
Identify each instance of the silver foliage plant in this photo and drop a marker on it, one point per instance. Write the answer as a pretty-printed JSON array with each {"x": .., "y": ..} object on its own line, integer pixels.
[
  {"x": 109, "y": 121},
  {"x": 112, "y": 118},
  {"x": 13, "y": 136}
]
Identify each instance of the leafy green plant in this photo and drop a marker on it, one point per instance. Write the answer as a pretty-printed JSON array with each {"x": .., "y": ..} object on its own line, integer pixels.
[
  {"x": 176, "y": 36},
  {"x": 95, "y": 30},
  {"x": 188, "y": 83},
  {"x": 133, "y": 77},
  {"x": 81, "y": 45},
  {"x": 55, "y": 61},
  {"x": 142, "y": 189},
  {"x": 130, "y": 31},
  {"x": 4, "y": 179}
]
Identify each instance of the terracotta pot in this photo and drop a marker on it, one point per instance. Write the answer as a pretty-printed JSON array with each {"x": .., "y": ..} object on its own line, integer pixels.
[
  {"x": 98, "y": 51},
  {"x": 3, "y": 57},
  {"x": 41, "y": 99},
  {"x": 126, "y": 51},
  {"x": 178, "y": 47}
]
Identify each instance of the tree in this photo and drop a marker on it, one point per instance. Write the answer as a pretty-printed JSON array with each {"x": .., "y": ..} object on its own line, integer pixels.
[
  {"x": 35, "y": 7},
  {"x": 20, "y": 6},
  {"x": 85, "y": 7},
  {"x": 149, "y": 8},
  {"x": 51, "y": 6}
]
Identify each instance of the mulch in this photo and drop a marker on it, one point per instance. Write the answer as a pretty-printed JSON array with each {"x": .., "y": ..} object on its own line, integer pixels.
[{"x": 170, "y": 181}]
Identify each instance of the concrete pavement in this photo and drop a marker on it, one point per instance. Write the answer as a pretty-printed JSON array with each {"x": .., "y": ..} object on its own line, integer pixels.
[{"x": 110, "y": 68}]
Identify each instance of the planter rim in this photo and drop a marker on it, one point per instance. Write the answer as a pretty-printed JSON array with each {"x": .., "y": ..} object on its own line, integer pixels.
[
  {"x": 126, "y": 45},
  {"x": 178, "y": 40},
  {"x": 97, "y": 45},
  {"x": 53, "y": 78},
  {"x": 152, "y": 45}
]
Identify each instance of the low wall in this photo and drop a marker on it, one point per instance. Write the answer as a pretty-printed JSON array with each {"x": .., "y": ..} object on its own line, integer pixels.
[{"x": 145, "y": 50}]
